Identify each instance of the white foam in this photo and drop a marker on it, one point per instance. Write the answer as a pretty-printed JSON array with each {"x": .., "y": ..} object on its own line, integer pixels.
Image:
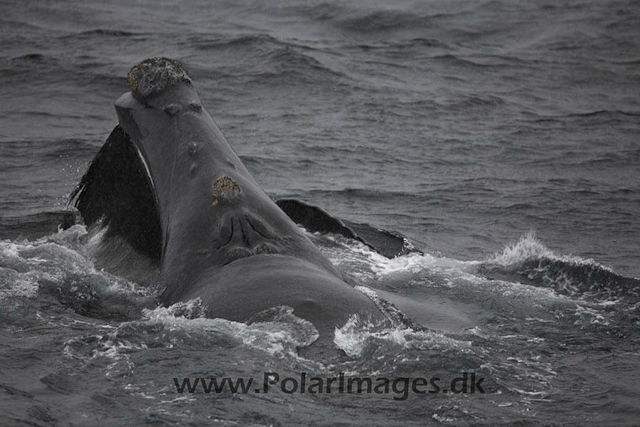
[
  {"x": 56, "y": 261},
  {"x": 591, "y": 315},
  {"x": 191, "y": 309},
  {"x": 529, "y": 247},
  {"x": 366, "y": 264},
  {"x": 356, "y": 334},
  {"x": 279, "y": 333}
]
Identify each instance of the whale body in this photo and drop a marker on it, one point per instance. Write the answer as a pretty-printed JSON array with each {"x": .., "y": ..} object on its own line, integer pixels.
[{"x": 169, "y": 183}]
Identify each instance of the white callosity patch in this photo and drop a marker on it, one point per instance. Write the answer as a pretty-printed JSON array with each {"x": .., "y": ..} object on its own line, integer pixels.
[{"x": 152, "y": 76}]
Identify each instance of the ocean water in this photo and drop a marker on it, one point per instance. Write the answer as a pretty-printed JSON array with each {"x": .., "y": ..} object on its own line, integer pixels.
[{"x": 500, "y": 137}]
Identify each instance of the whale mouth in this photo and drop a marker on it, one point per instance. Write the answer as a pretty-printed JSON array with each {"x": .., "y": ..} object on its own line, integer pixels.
[{"x": 178, "y": 182}]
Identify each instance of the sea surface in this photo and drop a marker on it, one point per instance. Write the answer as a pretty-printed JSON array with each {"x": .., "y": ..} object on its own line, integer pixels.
[{"x": 502, "y": 138}]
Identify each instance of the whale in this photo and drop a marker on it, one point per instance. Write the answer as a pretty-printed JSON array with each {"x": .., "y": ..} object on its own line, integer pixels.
[{"x": 168, "y": 182}]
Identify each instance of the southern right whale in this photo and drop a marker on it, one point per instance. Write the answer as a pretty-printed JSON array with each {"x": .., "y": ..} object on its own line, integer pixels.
[{"x": 169, "y": 182}]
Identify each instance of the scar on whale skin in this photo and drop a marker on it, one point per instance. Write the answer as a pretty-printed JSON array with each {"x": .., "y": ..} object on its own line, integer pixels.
[{"x": 225, "y": 189}]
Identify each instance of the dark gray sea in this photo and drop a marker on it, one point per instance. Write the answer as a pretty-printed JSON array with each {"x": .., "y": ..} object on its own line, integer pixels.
[{"x": 502, "y": 138}]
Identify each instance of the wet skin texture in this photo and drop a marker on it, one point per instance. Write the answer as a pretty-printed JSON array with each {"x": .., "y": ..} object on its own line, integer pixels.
[{"x": 223, "y": 239}]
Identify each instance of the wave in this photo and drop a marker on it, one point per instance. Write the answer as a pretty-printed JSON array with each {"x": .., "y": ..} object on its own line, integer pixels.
[
  {"x": 606, "y": 113},
  {"x": 36, "y": 225},
  {"x": 277, "y": 332},
  {"x": 358, "y": 337},
  {"x": 532, "y": 263},
  {"x": 287, "y": 63},
  {"x": 273, "y": 59},
  {"x": 54, "y": 268},
  {"x": 365, "y": 193},
  {"x": 252, "y": 40},
  {"x": 35, "y": 57},
  {"x": 272, "y": 162},
  {"x": 319, "y": 12},
  {"x": 54, "y": 75},
  {"x": 479, "y": 101},
  {"x": 460, "y": 61},
  {"x": 400, "y": 46},
  {"x": 101, "y": 33},
  {"x": 291, "y": 57},
  {"x": 215, "y": 42},
  {"x": 27, "y": 153},
  {"x": 72, "y": 147},
  {"x": 385, "y": 20}
]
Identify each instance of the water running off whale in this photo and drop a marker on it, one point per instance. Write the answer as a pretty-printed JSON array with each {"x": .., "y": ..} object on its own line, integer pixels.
[{"x": 167, "y": 182}]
